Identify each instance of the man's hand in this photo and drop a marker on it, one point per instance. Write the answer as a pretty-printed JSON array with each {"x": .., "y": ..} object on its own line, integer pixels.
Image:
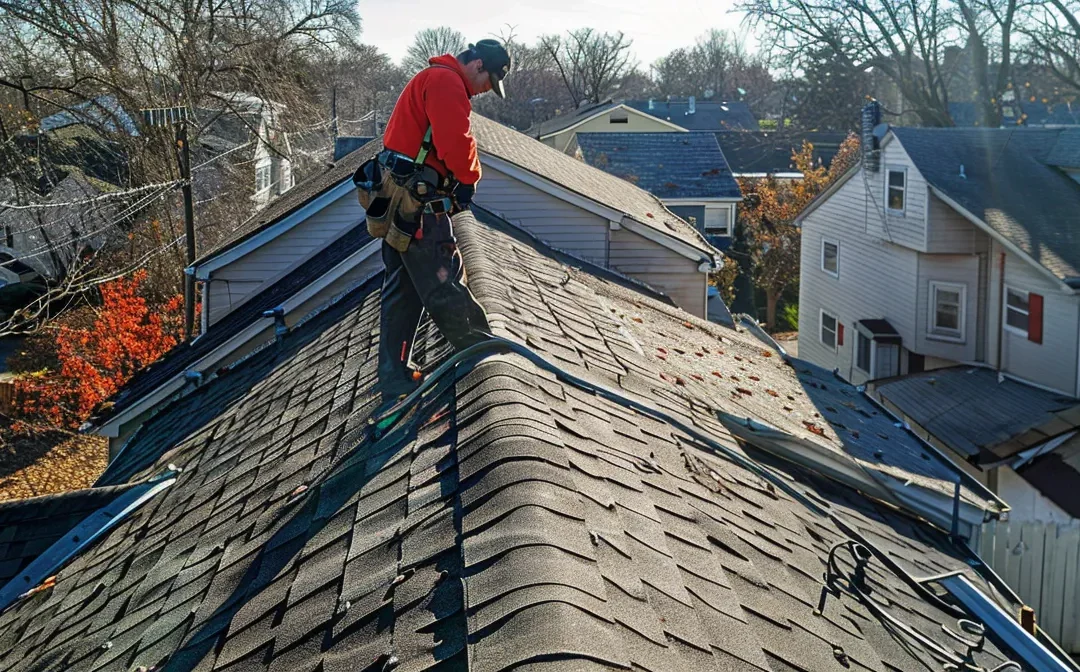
[{"x": 463, "y": 194}]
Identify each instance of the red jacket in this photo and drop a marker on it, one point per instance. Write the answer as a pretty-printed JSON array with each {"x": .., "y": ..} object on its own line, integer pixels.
[{"x": 438, "y": 96}]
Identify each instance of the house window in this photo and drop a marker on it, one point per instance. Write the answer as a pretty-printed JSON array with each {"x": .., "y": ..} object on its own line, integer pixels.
[
  {"x": 862, "y": 352},
  {"x": 716, "y": 221},
  {"x": 830, "y": 257},
  {"x": 896, "y": 190},
  {"x": 828, "y": 330},
  {"x": 1017, "y": 310},
  {"x": 262, "y": 178},
  {"x": 619, "y": 117},
  {"x": 947, "y": 310}
]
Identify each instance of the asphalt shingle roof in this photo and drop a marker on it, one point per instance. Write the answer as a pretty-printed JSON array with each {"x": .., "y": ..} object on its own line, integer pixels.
[
  {"x": 593, "y": 183},
  {"x": 668, "y": 165},
  {"x": 970, "y": 411},
  {"x": 708, "y": 115},
  {"x": 1009, "y": 184},
  {"x": 175, "y": 361},
  {"x": 519, "y": 522},
  {"x": 770, "y": 152}
]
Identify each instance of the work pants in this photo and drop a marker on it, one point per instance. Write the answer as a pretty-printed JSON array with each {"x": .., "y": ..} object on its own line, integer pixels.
[{"x": 428, "y": 275}]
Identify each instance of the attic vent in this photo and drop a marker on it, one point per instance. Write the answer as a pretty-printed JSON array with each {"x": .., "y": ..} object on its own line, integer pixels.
[
  {"x": 619, "y": 117},
  {"x": 84, "y": 534}
]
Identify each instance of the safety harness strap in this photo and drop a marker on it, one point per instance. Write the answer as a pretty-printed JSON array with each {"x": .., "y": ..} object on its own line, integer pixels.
[{"x": 425, "y": 147}]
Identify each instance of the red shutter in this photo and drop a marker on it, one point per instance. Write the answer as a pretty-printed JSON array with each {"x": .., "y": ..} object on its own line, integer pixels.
[
  {"x": 840, "y": 333},
  {"x": 1035, "y": 318}
]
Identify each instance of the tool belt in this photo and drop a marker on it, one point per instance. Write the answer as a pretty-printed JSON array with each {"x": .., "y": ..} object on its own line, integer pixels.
[{"x": 396, "y": 190}]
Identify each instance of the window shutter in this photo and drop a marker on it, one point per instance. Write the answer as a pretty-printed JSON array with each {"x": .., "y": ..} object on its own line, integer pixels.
[
  {"x": 839, "y": 333},
  {"x": 1035, "y": 318}
]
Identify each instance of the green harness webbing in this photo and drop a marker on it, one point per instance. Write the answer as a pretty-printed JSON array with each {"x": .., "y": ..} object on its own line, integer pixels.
[{"x": 425, "y": 147}]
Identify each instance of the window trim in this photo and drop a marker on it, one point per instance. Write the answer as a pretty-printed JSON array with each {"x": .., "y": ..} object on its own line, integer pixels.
[
  {"x": 821, "y": 327},
  {"x": 825, "y": 241},
  {"x": 904, "y": 189},
  {"x": 932, "y": 330},
  {"x": 1005, "y": 312},
  {"x": 871, "y": 345},
  {"x": 716, "y": 231},
  {"x": 269, "y": 177}
]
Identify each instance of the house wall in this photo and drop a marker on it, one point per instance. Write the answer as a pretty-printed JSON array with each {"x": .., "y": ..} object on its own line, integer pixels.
[
  {"x": 1052, "y": 363},
  {"x": 956, "y": 269},
  {"x": 233, "y": 284},
  {"x": 697, "y": 211},
  {"x": 664, "y": 269},
  {"x": 556, "y": 222},
  {"x": 949, "y": 232},
  {"x": 876, "y": 278},
  {"x": 908, "y": 229},
  {"x": 636, "y": 122},
  {"x": 1026, "y": 502}
]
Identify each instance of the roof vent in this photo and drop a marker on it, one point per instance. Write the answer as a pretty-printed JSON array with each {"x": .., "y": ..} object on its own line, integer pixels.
[
  {"x": 652, "y": 104},
  {"x": 691, "y": 105},
  {"x": 963, "y": 175},
  {"x": 280, "y": 328}
]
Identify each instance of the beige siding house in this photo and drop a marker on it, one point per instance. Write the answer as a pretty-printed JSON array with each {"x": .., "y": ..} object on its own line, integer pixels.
[
  {"x": 929, "y": 258},
  {"x": 606, "y": 117}
]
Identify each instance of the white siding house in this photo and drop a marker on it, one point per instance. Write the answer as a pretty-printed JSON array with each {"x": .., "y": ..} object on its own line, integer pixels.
[{"x": 924, "y": 258}]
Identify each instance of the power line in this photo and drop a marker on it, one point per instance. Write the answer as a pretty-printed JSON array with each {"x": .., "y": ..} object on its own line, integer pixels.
[{"x": 95, "y": 199}]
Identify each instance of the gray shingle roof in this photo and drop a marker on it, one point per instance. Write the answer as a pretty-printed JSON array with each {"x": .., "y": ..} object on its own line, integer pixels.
[
  {"x": 520, "y": 521},
  {"x": 708, "y": 115},
  {"x": 668, "y": 165},
  {"x": 1066, "y": 151},
  {"x": 1009, "y": 185},
  {"x": 967, "y": 409},
  {"x": 592, "y": 183}
]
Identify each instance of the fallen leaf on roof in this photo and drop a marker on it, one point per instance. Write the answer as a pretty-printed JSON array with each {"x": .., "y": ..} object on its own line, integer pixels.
[
  {"x": 649, "y": 215},
  {"x": 735, "y": 378},
  {"x": 788, "y": 409},
  {"x": 680, "y": 381},
  {"x": 814, "y": 428},
  {"x": 738, "y": 358},
  {"x": 697, "y": 377},
  {"x": 772, "y": 393},
  {"x": 743, "y": 390},
  {"x": 766, "y": 353},
  {"x": 637, "y": 319},
  {"x": 662, "y": 350},
  {"x": 687, "y": 325},
  {"x": 755, "y": 378},
  {"x": 717, "y": 374}
]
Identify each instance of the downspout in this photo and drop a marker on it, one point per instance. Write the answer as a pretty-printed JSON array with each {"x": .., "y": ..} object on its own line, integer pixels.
[{"x": 1001, "y": 311}]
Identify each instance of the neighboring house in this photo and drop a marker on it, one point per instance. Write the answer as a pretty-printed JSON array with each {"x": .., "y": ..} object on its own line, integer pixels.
[
  {"x": 758, "y": 154},
  {"x": 606, "y": 117},
  {"x": 699, "y": 115},
  {"x": 579, "y": 209},
  {"x": 104, "y": 114},
  {"x": 954, "y": 248},
  {"x": 686, "y": 171},
  {"x": 242, "y": 120},
  {"x": 606, "y": 498}
]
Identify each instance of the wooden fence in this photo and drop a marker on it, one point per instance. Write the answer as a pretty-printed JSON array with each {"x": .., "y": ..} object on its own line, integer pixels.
[{"x": 1041, "y": 562}]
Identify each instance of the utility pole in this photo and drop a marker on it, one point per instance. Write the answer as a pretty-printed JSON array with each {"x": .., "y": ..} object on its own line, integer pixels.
[
  {"x": 178, "y": 117},
  {"x": 184, "y": 159}
]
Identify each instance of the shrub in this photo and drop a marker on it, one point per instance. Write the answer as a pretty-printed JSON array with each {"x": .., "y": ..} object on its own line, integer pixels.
[{"x": 126, "y": 335}]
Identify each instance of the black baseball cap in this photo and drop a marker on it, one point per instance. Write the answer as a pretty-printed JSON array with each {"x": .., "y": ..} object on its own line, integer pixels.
[{"x": 496, "y": 60}]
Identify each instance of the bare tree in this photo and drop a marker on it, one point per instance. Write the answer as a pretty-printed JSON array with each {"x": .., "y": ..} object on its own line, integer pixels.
[
  {"x": 717, "y": 66},
  {"x": 1053, "y": 29},
  {"x": 905, "y": 41},
  {"x": 591, "y": 64},
  {"x": 432, "y": 42}
]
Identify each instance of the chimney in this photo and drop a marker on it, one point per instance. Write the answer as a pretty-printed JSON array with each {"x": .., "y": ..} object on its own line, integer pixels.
[
  {"x": 871, "y": 134},
  {"x": 691, "y": 108}
]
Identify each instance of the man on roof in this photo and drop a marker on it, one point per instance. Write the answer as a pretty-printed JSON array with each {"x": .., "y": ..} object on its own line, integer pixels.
[{"x": 429, "y": 171}]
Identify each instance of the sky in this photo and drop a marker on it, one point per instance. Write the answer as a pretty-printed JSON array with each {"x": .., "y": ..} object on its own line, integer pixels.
[{"x": 656, "y": 26}]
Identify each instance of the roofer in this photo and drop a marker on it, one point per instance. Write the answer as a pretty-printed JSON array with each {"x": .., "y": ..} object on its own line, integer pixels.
[{"x": 427, "y": 172}]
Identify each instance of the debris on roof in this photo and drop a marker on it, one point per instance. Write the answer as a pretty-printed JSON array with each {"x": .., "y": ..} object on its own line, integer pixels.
[
  {"x": 519, "y": 517},
  {"x": 702, "y": 115}
]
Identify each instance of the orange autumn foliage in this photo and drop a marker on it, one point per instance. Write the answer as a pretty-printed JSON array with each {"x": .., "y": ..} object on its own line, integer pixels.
[{"x": 127, "y": 334}]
